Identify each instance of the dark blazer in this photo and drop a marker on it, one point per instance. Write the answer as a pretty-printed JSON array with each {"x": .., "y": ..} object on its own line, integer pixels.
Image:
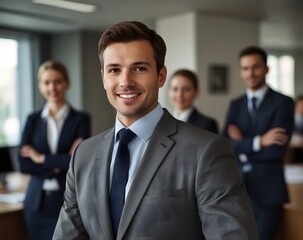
[
  {"x": 187, "y": 187},
  {"x": 76, "y": 125},
  {"x": 266, "y": 181},
  {"x": 203, "y": 121}
]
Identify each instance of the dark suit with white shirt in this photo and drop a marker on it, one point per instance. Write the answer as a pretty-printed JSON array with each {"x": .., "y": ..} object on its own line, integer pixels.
[
  {"x": 42, "y": 208},
  {"x": 203, "y": 121},
  {"x": 264, "y": 177}
]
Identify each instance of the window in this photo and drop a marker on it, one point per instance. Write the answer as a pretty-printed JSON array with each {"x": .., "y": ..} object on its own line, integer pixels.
[
  {"x": 17, "y": 52},
  {"x": 281, "y": 73},
  {"x": 9, "y": 121}
]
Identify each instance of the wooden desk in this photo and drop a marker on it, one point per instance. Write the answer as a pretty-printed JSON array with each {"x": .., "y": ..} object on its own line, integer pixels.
[
  {"x": 291, "y": 227},
  {"x": 12, "y": 225}
]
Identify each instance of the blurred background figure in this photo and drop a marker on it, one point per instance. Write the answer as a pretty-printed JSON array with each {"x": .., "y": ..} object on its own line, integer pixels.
[
  {"x": 183, "y": 90},
  {"x": 48, "y": 140},
  {"x": 259, "y": 124},
  {"x": 296, "y": 143}
]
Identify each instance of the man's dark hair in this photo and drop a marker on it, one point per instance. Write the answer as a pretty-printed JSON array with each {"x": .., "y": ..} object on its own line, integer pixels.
[
  {"x": 190, "y": 75},
  {"x": 253, "y": 50},
  {"x": 132, "y": 31},
  {"x": 299, "y": 98}
]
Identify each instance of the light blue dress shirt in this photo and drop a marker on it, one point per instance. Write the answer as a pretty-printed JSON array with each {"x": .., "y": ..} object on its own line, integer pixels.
[{"x": 143, "y": 128}]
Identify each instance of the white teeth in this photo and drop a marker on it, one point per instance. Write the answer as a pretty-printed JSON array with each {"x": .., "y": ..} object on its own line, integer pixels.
[{"x": 128, "y": 95}]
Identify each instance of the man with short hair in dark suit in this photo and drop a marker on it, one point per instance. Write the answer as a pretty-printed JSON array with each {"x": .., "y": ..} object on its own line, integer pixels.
[{"x": 259, "y": 125}]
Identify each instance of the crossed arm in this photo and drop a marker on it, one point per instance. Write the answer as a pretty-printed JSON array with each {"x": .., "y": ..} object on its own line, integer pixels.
[
  {"x": 27, "y": 151},
  {"x": 272, "y": 132},
  {"x": 273, "y": 136}
]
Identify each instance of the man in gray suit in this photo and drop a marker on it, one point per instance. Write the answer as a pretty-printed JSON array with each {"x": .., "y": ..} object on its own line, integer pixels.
[{"x": 182, "y": 181}]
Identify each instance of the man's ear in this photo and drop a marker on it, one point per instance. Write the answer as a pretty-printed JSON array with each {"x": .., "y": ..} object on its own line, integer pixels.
[{"x": 162, "y": 77}]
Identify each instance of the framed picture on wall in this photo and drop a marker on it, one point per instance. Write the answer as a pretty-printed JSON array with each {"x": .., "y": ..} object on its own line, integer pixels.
[{"x": 218, "y": 81}]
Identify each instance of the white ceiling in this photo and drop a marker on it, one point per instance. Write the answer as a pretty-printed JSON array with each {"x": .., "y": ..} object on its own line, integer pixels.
[{"x": 281, "y": 21}]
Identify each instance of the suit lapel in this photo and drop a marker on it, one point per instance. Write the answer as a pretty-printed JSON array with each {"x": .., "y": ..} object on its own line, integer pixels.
[
  {"x": 67, "y": 127},
  {"x": 265, "y": 104},
  {"x": 101, "y": 182},
  {"x": 43, "y": 129},
  {"x": 245, "y": 118},
  {"x": 193, "y": 116},
  {"x": 152, "y": 159},
  {"x": 263, "y": 109}
]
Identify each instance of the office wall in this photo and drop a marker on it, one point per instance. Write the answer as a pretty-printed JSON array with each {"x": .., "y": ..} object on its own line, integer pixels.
[
  {"x": 179, "y": 34},
  {"x": 79, "y": 52},
  {"x": 280, "y": 36},
  {"x": 219, "y": 41},
  {"x": 298, "y": 55},
  {"x": 196, "y": 41},
  {"x": 67, "y": 48}
]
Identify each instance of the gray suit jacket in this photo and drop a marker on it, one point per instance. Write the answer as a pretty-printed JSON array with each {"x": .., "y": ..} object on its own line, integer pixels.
[{"x": 187, "y": 187}]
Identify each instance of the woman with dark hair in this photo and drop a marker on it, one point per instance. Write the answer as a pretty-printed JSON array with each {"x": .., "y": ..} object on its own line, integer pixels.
[{"x": 183, "y": 90}]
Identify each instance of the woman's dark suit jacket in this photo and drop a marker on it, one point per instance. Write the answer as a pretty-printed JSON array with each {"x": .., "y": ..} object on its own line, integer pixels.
[
  {"x": 76, "y": 125},
  {"x": 203, "y": 121}
]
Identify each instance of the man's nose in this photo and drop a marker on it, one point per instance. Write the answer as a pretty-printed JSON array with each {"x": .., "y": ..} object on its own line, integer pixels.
[
  {"x": 179, "y": 93},
  {"x": 126, "y": 79}
]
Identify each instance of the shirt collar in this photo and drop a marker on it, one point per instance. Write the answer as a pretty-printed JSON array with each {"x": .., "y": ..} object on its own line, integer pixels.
[
  {"x": 145, "y": 126},
  {"x": 62, "y": 114},
  {"x": 260, "y": 94},
  {"x": 184, "y": 116}
]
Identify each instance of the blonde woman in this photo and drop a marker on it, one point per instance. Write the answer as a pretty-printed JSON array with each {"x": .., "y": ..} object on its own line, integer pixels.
[{"x": 48, "y": 140}]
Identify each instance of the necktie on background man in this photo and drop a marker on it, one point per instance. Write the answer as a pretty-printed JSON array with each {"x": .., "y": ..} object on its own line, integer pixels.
[
  {"x": 120, "y": 177},
  {"x": 254, "y": 106}
]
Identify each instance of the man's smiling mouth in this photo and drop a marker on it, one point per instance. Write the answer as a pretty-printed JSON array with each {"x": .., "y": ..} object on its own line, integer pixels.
[{"x": 128, "y": 95}]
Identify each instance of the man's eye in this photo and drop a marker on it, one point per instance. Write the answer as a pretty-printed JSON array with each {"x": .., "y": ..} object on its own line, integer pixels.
[
  {"x": 140, "y": 69},
  {"x": 113, "y": 70}
]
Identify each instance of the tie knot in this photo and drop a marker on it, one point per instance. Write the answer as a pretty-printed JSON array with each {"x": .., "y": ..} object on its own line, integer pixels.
[
  {"x": 126, "y": 135},
  {"x": 254, "y": 103}
]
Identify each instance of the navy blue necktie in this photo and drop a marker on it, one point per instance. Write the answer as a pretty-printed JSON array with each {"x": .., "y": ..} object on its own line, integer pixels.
[
  {"x": 254, "y": 106},
  {"x": 120, "y": 177}
]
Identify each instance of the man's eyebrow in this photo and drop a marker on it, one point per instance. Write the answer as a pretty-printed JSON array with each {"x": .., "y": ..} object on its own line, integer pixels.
[
  {"x": 141, "y": 63},
  {"x": 112, "y": 65}
]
